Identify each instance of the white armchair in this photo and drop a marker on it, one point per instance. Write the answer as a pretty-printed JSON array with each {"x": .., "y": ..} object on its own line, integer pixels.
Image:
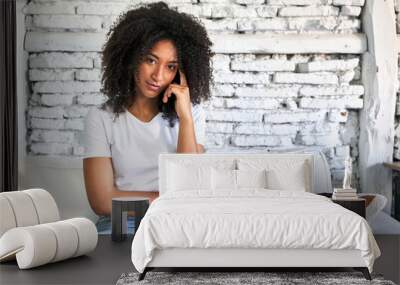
[{"x": 31, "y": 231}]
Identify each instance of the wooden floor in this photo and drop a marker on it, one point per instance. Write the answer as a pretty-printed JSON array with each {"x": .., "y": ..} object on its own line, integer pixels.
[
  {"x": 389, "y": 262},
  {"x": 111, "y": 259},
  {"x": 102, "y": 266}
]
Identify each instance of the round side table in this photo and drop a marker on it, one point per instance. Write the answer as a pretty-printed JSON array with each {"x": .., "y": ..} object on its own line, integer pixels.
[{"x": 119, "y": 215}]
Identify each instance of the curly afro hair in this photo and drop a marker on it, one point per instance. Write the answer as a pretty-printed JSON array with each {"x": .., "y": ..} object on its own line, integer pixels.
[{"x": 131, "y": 38}]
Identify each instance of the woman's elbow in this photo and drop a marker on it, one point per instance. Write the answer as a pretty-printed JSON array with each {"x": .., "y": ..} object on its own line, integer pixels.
[
  {"x": 100, "y": 205},
  {"x": 101, "y": 210},
  {"x": 200, "y": 148}
]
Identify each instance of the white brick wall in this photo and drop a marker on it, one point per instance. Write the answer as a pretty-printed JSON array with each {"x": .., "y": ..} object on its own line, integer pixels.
[
  {"x": 328, "y": 65},
  {"x": 37, "y": 41},
  {"x": 79, "y": 22},
  {"x": 350, "y": 11},
  {"x": 258, "y": 100},
  {"x": 57, "y": 99},
  {"x": 61, "y": 60},
  {"x": 50, "y": 74},
  {"x": 298, "y": 2},
  {"x": 273, "y": 90},
  {"x": 66, "y": 86},
  {"x": 396, "y": 155},
  {"x": 241, "y": 77},
  {"x": 263, "y": 65},
  {"x": 308, "y": 11},
  {"x": 306, "y": 78}
]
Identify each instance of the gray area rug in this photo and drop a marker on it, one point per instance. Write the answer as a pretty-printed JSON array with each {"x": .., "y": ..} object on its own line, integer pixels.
[{"x": 270, "y": 278}]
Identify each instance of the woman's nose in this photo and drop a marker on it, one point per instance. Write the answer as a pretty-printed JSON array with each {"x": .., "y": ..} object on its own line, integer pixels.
[{"x": 157, "y": 74}]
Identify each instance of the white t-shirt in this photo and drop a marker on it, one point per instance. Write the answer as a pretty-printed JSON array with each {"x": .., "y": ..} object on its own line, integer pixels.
[{"x": 134, "y": 145}]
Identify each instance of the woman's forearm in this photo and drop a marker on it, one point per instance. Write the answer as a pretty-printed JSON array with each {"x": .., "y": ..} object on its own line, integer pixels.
[{"x": 186, "y": 137}]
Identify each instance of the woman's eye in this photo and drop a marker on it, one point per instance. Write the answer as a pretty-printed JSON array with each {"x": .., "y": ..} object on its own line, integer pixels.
[
  {"x": 150, "y": 60},
  {"x": 172, "y": 67}
]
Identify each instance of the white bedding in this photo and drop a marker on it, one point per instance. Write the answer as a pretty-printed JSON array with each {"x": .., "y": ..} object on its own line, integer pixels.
[{"x": 251, "y": 218}]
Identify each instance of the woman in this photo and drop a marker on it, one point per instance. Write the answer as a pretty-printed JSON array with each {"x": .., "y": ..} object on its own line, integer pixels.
[{"x": 155, "y": 71}]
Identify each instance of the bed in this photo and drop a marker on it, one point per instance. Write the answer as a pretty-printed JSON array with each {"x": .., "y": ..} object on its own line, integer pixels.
[{"x": 248, "y": 210}]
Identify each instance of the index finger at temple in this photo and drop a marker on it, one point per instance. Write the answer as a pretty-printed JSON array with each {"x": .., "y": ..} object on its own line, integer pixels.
[{"x": 182, "y": 78}]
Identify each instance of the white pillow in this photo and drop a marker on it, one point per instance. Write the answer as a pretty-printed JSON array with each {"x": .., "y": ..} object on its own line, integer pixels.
[
  {"x": 294, "y": 179},
  {"x": 251, "y": 178},
  {"x": 182, "y": 177},
  {"x": 291, "y": 174},
  {"x": 229, "y": 179},
  {"x": 223, "y": 179}
]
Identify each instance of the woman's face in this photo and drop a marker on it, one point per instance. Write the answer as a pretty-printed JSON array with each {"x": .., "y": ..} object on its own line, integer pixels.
[{"x": 157, "y": 70}]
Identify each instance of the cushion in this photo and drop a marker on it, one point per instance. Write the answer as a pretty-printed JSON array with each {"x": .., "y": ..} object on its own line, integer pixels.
[
  {"x": 251, "y": 178},
  {"x": 27, "y": 208},
  {"x": 189, "y": 161},
  {"x": 31, "y": 233},
  {"x": 7, "y": 215},
  {"x": 321, "y": 173},
  {"x": 294, "y": 181},
  {"x": 182, "y": 177},
  {"x": 289, "y": 173},
  {"x": 231, "y": 180},
  {"x": 40, "y": 244},
  {"x": 66, "y": 237},
  {"x": 45, "y": 205},
  {"x": 23, "y": 208},
  {"x": 223, "y": 179}
]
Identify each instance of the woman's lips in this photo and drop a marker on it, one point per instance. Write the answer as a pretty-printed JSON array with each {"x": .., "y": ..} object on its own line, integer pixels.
[{"x": 152, "y": 87}]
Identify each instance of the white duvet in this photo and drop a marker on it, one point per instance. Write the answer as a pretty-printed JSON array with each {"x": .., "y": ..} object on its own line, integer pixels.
[{"x": 250, "y": 218}]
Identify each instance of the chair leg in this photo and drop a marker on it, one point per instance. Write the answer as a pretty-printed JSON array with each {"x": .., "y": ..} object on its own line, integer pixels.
[
  {"x": 364, "y": 271},
  {"x": 143, "y": 274}
]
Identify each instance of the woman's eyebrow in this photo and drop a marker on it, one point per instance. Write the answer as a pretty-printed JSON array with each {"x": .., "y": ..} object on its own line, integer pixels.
[{"x": 152, "y": 54}]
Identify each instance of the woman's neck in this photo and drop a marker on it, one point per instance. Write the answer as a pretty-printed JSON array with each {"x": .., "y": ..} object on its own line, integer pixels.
[{"x": 144, "y": 108}]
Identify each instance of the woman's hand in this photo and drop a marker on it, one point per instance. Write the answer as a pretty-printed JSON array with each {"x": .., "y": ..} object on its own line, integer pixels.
[
  {"x": 155, "y": 196},
  {"x": 181, "y": 91}
]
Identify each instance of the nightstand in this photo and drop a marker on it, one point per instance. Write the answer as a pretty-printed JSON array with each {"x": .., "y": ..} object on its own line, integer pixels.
[
  {"x": 119, "y": 214},
  {"x": 357, "y": 205}
]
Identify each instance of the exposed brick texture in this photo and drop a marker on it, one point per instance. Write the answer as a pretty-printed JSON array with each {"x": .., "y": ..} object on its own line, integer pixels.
[{"x": 258, "y": 101}]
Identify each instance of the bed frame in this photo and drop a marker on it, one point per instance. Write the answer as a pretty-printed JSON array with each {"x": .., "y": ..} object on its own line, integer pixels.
[{"x": 256, "y": 258}]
